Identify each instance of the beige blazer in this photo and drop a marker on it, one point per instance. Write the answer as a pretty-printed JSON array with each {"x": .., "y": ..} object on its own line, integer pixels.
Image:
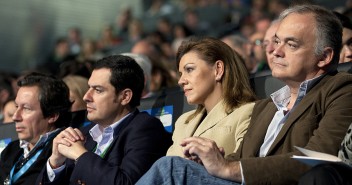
[{"x": 226, "y": 130}]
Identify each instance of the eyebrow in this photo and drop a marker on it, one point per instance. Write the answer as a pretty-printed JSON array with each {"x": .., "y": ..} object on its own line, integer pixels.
[
  {"x": 96, "y": 86},
  {"x": 348, "y": 41},
  {"x": 187, "y": 64},
  {"x": 288, "y": 39}
]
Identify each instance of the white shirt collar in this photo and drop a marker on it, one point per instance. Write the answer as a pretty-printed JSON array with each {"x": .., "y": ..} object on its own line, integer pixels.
[
  {"x": 97, "y": 133},
  {"x": 42, "y": 139}
]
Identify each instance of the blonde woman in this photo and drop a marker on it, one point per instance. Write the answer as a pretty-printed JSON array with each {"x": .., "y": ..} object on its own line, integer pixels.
[{"x": 78, "y": 86}]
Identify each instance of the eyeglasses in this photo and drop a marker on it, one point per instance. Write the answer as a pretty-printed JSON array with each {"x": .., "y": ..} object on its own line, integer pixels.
[{"x": 257, "y": 42}]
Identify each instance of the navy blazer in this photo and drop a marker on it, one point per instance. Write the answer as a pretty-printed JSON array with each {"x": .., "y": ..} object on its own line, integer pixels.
[{"x": 139, "y": 141}]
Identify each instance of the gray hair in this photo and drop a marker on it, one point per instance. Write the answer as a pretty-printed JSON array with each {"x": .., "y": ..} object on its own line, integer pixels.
[
  {"x": 328, "y": 29},
  {"x": 144, "y": 62}
]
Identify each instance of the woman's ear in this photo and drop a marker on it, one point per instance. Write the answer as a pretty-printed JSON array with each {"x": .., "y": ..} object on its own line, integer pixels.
[{"x": 219, "y": 70}]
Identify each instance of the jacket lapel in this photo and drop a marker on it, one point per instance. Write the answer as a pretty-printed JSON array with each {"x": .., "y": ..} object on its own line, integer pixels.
[
  {"x": 214, "y": 117},
  {"x": 91, "y": 144},
  {"x": 254, "y": 138},
  {"x": 306, "y": 102}
]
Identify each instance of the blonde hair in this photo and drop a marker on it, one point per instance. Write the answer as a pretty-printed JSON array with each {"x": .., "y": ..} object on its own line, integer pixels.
[{"x": 77, "y": 84}]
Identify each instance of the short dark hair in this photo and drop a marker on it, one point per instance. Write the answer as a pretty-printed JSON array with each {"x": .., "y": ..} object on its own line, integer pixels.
[
  {"x": 345, "y": 21},
  {"x": 54, "y": 96},
  {"x": 125, "y": 73}
]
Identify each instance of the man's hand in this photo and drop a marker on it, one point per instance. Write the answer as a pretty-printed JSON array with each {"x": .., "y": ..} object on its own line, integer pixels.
[
  {"x": 65, "y": 137},
  {"x": 74, "y": 151},
  {"x": 206, "y": 152}
]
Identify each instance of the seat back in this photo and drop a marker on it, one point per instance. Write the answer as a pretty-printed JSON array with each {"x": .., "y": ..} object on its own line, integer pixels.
[
  {"x": 7, "y": 134},
  {"x": 264, "y": 84},
  {"x": 167, "y": 105}
]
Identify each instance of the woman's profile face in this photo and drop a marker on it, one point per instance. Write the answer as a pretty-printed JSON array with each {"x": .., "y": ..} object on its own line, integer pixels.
[{"x": 197, "y": 78}]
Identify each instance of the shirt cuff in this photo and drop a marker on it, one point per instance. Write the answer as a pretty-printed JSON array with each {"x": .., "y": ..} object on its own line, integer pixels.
[
  {"x": 52, "y": 173},
  {"x": 242, "y": 176}
]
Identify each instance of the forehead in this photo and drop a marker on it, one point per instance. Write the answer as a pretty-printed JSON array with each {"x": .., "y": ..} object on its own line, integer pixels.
[
  {"x": 191, "y": 58},
  {"x": 346, "y": 34},
  {"x": 100, "y": 77},
  {"x": 257, "y": 35},
  {"x": 270, "y": 32},
  {"x": 28, "y": 94},
  {"x": 298, "y": 26}
]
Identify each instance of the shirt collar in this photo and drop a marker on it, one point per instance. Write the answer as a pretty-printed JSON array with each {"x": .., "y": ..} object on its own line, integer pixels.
[
  {"x": 42, "y": 139},
  {"x": 281, "y": 97},
  {"x": 97, "y": 134}
]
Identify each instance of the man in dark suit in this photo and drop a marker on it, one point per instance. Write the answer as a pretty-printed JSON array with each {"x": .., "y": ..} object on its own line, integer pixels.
[
  {"x": 123, "y": 143},
  {"x": 312, "y": 111},
  {"x": 42, "y": 108}
]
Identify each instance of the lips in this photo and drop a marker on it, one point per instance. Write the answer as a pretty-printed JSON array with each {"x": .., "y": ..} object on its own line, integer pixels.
[
  {"x": 90, "y": 108},
  {"x": 20, "y": 129},
  {"x": 186, "y": 91}
]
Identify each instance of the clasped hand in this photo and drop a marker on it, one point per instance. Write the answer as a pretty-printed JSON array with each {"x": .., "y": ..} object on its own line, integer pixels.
[{"x": 68, "y": 144}]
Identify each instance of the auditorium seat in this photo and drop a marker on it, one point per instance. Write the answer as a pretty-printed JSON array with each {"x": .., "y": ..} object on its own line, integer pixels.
[{"x": 167, "y": 105}]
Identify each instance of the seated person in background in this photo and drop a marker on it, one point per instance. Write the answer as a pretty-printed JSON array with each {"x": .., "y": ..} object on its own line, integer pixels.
[
  {"x": 6, "y": 92},
  {"x": 239, "y": 43},
  {"x": 43, "y": 106},
  {"x": 8, "y": 110},
  {"x": 78, "y": 86},
  {"x": 214, "y": 78},
  {"x": 268, "y": 42},
  {"x": 122, "y": 145},
  {"x": 312, "y": 111},
  {"x": 146, "y": 65},
  {"x": 333, "y": 173},
  {"x": 346, "y": 51}
]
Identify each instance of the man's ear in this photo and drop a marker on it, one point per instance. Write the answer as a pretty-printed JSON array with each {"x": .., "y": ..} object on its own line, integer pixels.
[
  {"x": 53, "y": 118},
  {"x": 326, "y": 58},
  {"x": 126, "y": 96},
  {"x": 219, "y": 70}
]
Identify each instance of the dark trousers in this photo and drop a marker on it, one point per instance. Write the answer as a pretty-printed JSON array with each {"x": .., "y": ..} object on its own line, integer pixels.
[{"x": 329, "y": 173}]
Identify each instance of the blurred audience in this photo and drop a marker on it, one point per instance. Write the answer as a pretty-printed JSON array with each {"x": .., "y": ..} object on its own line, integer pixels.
[{"x": 74, "y": 38}]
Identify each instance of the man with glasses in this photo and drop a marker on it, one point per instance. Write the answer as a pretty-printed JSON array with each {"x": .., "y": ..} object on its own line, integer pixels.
[{"x": 257, "y": 53}]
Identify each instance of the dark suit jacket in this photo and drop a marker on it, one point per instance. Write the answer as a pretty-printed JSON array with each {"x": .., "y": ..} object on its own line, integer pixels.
[
  {"x": 319, "y": 122},
  {"x": 11, "y": 154},
  {"x": 139, "y": 141}
]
